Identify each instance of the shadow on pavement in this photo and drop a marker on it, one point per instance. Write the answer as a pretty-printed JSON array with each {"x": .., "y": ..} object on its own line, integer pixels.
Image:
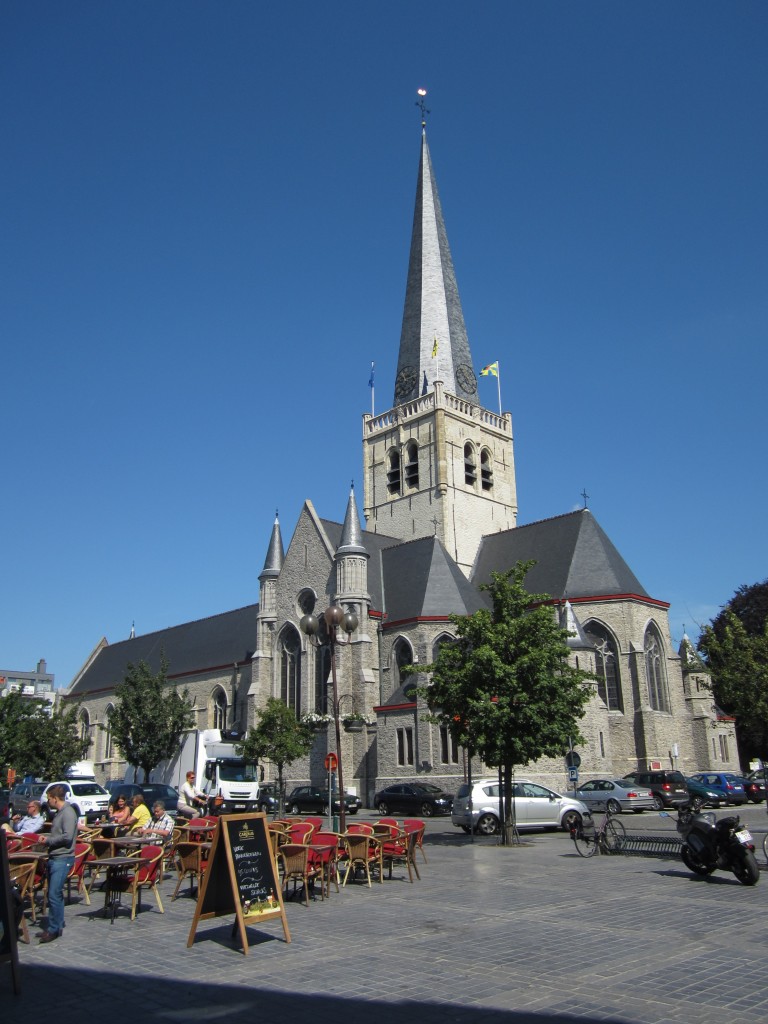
[{"x": 74, "y": 995}]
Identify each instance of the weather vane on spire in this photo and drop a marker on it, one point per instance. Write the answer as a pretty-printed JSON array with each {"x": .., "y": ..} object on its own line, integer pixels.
[{"x": 420, "y": 103}]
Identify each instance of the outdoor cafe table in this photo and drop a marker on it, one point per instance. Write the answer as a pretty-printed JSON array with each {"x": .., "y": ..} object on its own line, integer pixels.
[{"x": 118, "y": 869}]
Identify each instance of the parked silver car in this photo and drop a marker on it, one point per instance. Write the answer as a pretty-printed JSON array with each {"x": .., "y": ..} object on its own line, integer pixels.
[
  {"x": 535, "y": 806},
  {"x": 613, "y": 795}
]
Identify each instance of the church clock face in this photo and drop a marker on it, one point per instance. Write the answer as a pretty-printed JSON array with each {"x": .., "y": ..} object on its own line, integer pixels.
[
  {"x": 465, "y": 375},
  {"x": 406, "y": 381}
]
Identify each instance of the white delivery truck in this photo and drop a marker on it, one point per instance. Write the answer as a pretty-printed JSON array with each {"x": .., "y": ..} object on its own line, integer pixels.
[{"x": 229, "y": 781}]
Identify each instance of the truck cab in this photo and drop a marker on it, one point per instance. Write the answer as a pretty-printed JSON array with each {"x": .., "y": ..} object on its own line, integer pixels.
[{"x": 230, "y": 782}]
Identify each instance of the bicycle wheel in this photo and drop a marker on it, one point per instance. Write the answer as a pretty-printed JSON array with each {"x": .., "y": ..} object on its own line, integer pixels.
[
  {"x": 586, "y": 846},
  {"x": 614, "y": 836},
  {"x": 765, "y": 847}
]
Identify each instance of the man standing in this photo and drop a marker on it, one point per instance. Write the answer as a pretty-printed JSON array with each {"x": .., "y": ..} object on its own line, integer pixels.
[{"x": 61, "y": 858}]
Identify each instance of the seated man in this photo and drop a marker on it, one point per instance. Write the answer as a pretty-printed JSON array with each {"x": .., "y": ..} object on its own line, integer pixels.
[
  {"x": 191, "y": 801},
  {"x": 140, "y": 816},
  {"x": 32, "y": 821},
  {"x": 161, "y": 825}
]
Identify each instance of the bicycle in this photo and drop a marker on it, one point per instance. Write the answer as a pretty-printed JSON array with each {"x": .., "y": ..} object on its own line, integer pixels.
[
  {"x": 607, "y": 837},
  {"x": 765, "y": 847}
]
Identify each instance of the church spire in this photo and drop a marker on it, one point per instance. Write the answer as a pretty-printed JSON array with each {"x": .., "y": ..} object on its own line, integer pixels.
[
  {"x": 351, "y": 533},
  {"x": 273, "y": 563},
  {"x": 433, "y": 340}
]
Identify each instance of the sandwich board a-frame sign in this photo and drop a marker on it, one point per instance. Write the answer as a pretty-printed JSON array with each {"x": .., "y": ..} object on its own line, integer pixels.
[{"x": 241, "y": 877}]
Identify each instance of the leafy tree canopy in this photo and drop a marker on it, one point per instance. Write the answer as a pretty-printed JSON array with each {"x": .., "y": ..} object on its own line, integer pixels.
[
  {"x": 149, "y": 716},
  {"x": 279, "y": 737},
  {"x": 504, "y": 686},
  {"x": 735, "y": 648},
  {"x": 37, "y": 740}
]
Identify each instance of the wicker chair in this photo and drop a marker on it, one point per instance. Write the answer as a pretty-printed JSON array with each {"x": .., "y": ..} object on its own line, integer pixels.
[{"x": 295, "y": 861}]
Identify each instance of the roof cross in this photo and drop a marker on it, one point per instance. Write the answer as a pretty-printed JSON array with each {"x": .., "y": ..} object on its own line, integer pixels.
[{"x": 420, "y": 103}]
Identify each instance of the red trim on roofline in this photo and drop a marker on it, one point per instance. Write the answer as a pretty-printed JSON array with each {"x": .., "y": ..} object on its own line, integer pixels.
[
  {"x": 383, "y": 708},
  {"x": 609, "y": 597},
  {"x": 417, "y": 619}
]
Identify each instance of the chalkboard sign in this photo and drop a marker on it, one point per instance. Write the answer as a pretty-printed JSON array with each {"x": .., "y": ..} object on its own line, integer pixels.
[
  {"x": 241, "y": 877},
  {"x": 9, "y": 952}
]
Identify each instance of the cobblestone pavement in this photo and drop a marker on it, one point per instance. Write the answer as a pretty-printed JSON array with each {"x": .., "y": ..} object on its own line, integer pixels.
[{"x": 523, "y": 935}]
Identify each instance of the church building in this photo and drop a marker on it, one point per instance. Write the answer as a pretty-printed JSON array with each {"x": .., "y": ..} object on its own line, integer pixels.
[{"x": 439, "y": 503}]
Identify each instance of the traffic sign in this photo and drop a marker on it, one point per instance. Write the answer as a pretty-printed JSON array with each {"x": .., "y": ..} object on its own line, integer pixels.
[
  {"x": 572, "y": 759},
  {"x": 573, "y": 774},
  {"x": 331, "y": 762}
]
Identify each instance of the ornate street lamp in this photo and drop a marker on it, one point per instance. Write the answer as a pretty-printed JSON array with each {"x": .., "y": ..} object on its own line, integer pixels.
[{"x": 335, "y": 618}]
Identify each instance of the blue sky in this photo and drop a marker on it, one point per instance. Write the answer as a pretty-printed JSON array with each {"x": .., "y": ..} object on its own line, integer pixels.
[{"x": 206, "y": 213}]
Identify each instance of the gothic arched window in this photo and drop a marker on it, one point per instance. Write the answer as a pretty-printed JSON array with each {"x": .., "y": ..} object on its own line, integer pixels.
[
  {"x": 322, "y": 674},
  {"x": 219, "y": 709},
  {"x": 486, "y": 469},
  {"x": 393, "y": 471},
  {"x": 658, "y": 696},
  {"x": 108, "y": 741},
  {"x": 85, "y": 728},
  {"x": 412, "y": 464},
  {"x": 290, "y": 668},
  {"x": 606, "y": 665},
  {"x": 470, "y": 465},
  {"x": 402, "y": 655}
]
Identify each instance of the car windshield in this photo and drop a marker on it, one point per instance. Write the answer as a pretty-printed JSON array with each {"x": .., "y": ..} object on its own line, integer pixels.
[
  {"x": 88, "y": 789},
  {"x": 427, "y": 787},
  {"x": 237, "y": 771}
]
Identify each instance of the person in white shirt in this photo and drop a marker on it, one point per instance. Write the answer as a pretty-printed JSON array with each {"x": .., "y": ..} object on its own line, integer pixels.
[
  {"x": 191, "y": 801},
  {"x": 32, "y": 821}
]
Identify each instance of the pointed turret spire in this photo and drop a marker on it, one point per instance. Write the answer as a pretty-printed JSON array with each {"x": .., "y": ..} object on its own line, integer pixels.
[
  {"x": 273, "y": 563},
  {"x": 578, "y": 640},
  {"x": 433, "y": 341},
  {"x": 351, "y": 542}
]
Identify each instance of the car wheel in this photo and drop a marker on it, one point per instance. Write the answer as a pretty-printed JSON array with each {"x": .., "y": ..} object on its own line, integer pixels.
[
  {"x": 427, "y": 810},
  {"x": 487, "y": 825},
  {"x": 295, "y": 809},
  {"x": 570, "y": 820},
  {"x": 383, "y": 808},
  {"x": 658, "y": 803},
  {"x": 613, "y": 807}
]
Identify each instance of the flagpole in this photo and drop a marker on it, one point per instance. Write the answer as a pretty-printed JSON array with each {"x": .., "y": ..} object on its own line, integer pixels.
[
  {"x": 373, "y": 391},
  {"x": 498, "y": 383}
]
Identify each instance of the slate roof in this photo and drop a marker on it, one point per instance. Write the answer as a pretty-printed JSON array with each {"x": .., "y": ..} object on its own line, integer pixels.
[
  {"x": 412, "y": 579},
  {"x": 574, "y": 557},
  {"x": 192, "y": 647}
]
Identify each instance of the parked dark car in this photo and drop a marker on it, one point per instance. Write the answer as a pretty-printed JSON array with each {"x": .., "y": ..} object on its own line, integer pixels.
[
  {"x": 268, "y": 797},
  {"x": 753, "y": 788},
  {"x": 668, "y": 786},
  {"x": 151, "y": 791},
  {"x": 726, "y": 783},
  {"x": 5, "y": 805},
  {"x": 422, "y": 798},
  {"x": 701, "y": 795},
  {"x": 23, "y": 792},
  {"x": 313, "y": 800}
]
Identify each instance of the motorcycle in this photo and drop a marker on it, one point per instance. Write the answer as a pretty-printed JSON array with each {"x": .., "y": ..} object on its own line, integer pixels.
[{"x": 710, "y": 843}]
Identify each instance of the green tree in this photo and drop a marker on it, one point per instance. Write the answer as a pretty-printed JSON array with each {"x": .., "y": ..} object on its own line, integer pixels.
[
  {"x": 149, "y": 716},
  {"x": 37, "y": 740},
  {"x": 504, "y": 686},
  {"x": 279, "y": 737},
  {"x": 735, "y": 648}
]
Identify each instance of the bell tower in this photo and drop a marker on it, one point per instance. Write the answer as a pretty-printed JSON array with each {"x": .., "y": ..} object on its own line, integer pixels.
[{"x": 438, "y": 462}]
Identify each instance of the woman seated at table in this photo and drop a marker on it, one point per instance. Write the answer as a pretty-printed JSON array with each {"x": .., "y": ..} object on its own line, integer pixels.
[
  {"x": 119, "y": 812},
  {"x": 139, "y": 817},
  {"x": 161, "y": 825}
]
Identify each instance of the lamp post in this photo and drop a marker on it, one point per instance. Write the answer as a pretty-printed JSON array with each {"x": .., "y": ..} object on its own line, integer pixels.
[{"x": 334, "y": 617}]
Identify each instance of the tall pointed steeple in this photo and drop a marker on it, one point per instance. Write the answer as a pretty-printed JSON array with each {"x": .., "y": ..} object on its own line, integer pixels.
[
  {"x": 433, "y": 340},
  {"x": 273, "y": 563},
  {"x": 351, "y": 542}
]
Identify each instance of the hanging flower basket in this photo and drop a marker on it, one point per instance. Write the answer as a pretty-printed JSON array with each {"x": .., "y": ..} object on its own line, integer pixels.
[
  {"x": 315, "y": 721},
  {"x": 354, "y": 723}
]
